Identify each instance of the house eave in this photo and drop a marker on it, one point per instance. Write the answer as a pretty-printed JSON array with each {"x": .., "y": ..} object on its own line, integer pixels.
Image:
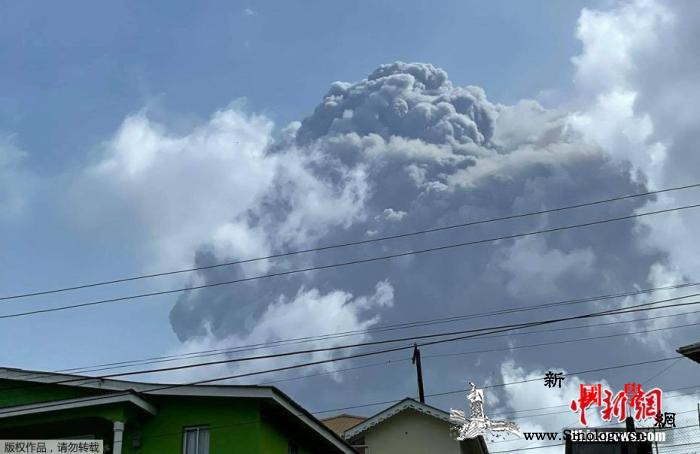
[
  {"x": 71, "y": 404},
  {"x": 691, "y": 351}
]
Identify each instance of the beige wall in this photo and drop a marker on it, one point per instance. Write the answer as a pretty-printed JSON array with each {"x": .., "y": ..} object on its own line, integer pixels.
[{"x": 410, "y": 432}]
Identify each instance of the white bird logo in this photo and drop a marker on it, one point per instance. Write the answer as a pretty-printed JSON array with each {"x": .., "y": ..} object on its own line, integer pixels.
[{"x": 478, "y": 423}]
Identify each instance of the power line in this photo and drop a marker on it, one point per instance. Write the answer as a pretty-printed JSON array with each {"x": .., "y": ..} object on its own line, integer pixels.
[
  {"x": 590, "y": 325},
  {"x": 171, "y": 386},
  {"x": 588, "y": 371},
  {"x": 566, "y": 341},
  {"x": 612, "y": 312},
  {"x": 381, "y": 328},
  {"x": 472, "y": 333},
  {"x": 259, "y": 357},
  {"x": 348, "y": 263},
  {"x": 475, "y": 333},
  {"x": 516, "y": 347},
  {"x": 500, "y": 385},
  {"x": 662, "y": 371},
  {"x": 386, "y": 402},
  {"x": 333, "y": 348},
  {"x": 640, "y": 307},
  {"x": 348, "y": 244},
  {"x": 469, "y": 334},
  {"x": 165, "y": 387},
  {"x": 347, "y": 369},
  {"x": 544, "y": 331},
  {"x": 558, "y": 342}
]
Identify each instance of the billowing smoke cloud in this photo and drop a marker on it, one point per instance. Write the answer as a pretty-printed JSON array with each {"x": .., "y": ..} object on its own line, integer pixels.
[
  {"x": 427, "y": 154},
  {"x": 413, "y": 101},
  {"x": 405, "y": 150}
]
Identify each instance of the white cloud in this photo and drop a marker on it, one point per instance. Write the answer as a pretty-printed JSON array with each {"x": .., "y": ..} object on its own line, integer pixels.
[
  {"x": 612, "y": 124},
  {"x": 637, "y": 62},
  {"x": 309, "y": 313},
  {"x": 393, "y": 215},
  {"x": 606, "y": 73},
  {"x": 209, "y": 187},
  {"x": 612, "y": 39},
  {"x": 177, "y": 190}
]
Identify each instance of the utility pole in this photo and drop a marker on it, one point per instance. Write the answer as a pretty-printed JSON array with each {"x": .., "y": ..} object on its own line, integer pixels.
[{"x": 419, "y": 371}]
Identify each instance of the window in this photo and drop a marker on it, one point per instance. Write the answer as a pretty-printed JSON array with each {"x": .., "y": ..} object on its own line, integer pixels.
[{"x": 195, "y": 440}]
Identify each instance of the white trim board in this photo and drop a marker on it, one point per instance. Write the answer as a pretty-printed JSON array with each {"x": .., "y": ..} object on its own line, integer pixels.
[
  {"x": 83, "y": 402},
  {"x": 383, "y": 415}
]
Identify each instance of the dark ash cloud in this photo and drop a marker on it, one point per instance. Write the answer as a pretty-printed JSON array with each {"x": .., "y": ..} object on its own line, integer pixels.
[{"x": 437, "y": 154}]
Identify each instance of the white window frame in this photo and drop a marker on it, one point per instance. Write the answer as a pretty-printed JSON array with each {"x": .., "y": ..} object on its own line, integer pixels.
[{"x": 185, "y": 430}]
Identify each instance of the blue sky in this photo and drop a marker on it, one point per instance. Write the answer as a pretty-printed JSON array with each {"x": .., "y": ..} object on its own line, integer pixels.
[
  {"x": 89, "y": 91},
  {"x": 77, "y": 71}
]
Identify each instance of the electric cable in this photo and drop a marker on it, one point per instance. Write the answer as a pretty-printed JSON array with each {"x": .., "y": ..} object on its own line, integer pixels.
[
  {"x": 346, "y": 263},
  {"x": 348, "y": 244}
]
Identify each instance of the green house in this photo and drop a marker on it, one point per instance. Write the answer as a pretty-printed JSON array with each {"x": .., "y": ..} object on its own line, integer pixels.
[{"x": 147, "y": 418}]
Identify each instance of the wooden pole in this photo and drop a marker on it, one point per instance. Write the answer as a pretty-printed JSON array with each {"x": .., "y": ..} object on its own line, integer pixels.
[{"x": 419, "y": 371}]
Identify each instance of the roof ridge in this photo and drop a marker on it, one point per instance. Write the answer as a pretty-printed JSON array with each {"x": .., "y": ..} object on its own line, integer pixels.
[
  {"x": 404, "y": 404},
  {"x": 81, "y": 380}
]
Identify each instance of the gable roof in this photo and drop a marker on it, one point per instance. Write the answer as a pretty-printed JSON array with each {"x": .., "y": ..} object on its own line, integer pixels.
[
  {"x": 387, "y": 413},
  {"x": 121, "y": 388}
]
